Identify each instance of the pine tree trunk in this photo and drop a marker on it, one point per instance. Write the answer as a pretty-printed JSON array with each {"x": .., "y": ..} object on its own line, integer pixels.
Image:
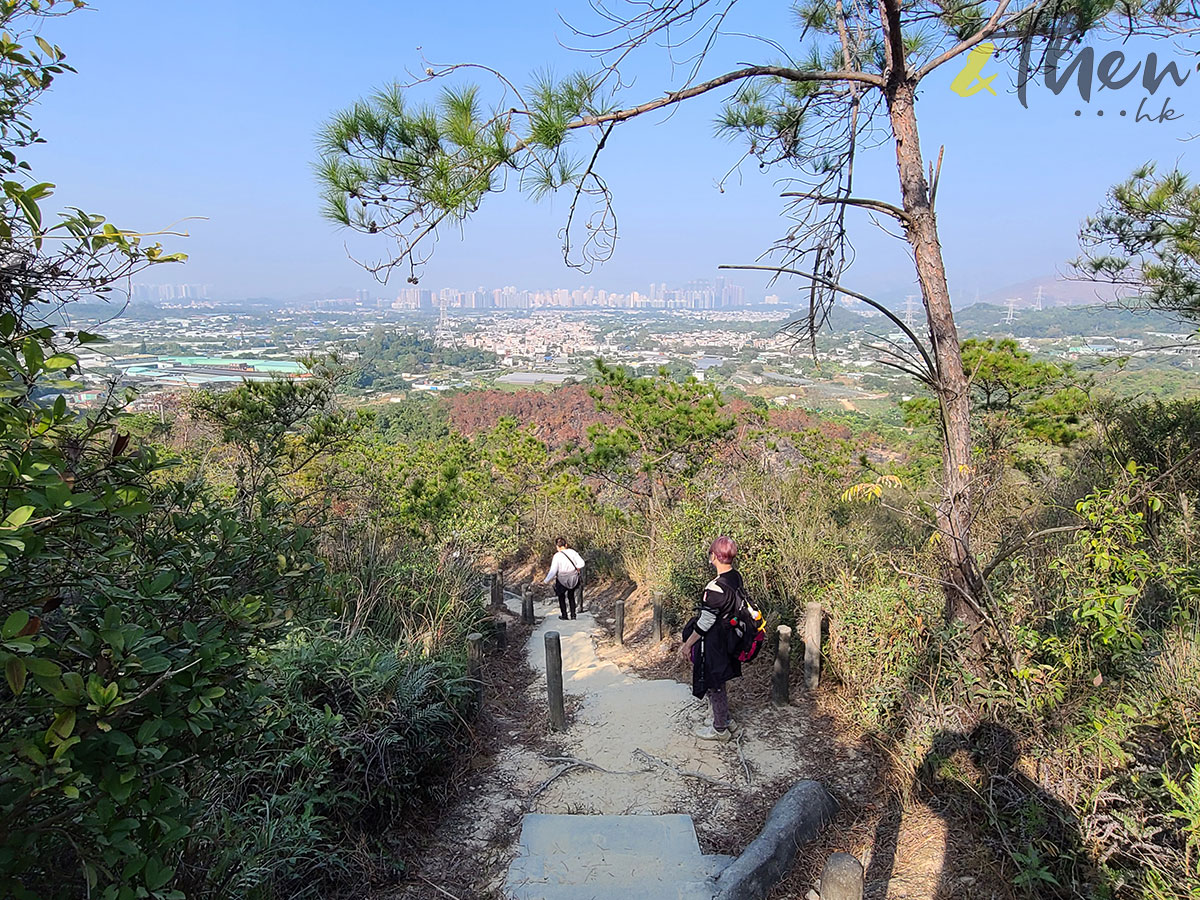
[{"x": 953, "y": 391}]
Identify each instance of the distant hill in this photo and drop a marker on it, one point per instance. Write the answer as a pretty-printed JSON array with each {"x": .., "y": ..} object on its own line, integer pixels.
[
  {"x": 841, "y": 320},
  {"x": 1055, "y": 292},
  {"x": 982, "y": 319}
]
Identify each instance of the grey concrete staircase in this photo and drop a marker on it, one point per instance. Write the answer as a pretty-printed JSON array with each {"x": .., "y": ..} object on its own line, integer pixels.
[{"x": 562, "y": 857}]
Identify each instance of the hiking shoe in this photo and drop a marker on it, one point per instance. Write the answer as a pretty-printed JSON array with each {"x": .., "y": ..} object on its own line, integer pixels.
[{"x": 708, "y": 733}]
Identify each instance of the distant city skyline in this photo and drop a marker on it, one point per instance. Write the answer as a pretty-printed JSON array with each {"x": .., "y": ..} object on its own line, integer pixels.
[
  {"x": 697, "y": 294},
  {"x": 719, "y": 293},
  {"x": 151, "y": 293}
]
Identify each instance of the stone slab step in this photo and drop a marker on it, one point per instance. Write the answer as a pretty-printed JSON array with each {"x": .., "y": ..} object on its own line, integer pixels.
[
  {"x": 609, "y": 868},
  {"x": 564, "y": 857},
  {"x": 669, "y": 837},
  {"x": 615, "y": 869},
  {"x": 654, "y": 891}
]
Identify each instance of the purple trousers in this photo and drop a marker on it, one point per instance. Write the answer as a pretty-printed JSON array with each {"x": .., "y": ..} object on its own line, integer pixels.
[{"x": 720, "y": 707}]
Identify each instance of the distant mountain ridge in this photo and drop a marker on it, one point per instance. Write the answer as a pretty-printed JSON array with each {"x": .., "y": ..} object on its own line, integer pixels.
[
  {"x": 990, "y": 319},
  {"x": 1056, "y": 291}
]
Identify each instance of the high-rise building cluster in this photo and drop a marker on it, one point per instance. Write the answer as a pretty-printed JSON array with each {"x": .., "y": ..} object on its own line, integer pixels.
[
  {"x": 157, "y": 293},
  {"x": 716, "y": 294}
]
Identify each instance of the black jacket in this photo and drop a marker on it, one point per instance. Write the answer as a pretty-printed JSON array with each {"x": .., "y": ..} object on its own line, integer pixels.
[{"x": 712, "y": 662}]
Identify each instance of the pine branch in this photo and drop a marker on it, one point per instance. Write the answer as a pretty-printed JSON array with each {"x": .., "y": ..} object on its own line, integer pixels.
[
  {"x": 995, "y": 24},
  {"x": 863, "y": 202}
]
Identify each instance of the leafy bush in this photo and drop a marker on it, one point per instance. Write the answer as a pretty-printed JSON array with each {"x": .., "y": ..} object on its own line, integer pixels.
[
  {"x": 129, "y": 687},
  {"x": 881, "y": 628},
  {"x": 1163, "y": 436},
  {"x": 156, "y": 738},
  {"x": 1109, "y": 572},
  {"x": 128, "y": 611},
  {"x": 350, "y": 734}
]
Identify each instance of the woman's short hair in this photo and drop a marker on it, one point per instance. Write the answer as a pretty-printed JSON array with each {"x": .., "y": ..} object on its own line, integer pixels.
[
  {"x": 560, "y": 542},
  {"x": 724, "y": 549}
]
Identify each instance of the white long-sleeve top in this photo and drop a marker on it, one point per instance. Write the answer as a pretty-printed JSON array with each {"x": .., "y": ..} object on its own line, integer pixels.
[{"x": 564, "y": 560}]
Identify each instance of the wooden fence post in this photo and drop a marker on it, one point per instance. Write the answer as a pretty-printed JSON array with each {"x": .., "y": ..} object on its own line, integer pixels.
[
  {"x": 781, "y": 674},
  {"x": 496, "y": 588},
  {"x": 475, "y": 665},
  {"x": 656, "y": 597},
  {"x": 526, "y": 605},
  {"x": 620, "y": 624},
  {"x": 812, "y": 646},
  {"x": 501, "y": 633},
  {"x": 554, "y": 681}
]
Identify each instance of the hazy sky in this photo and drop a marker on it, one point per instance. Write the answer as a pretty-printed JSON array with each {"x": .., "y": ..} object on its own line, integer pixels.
[{"x": 189, "y": 108}]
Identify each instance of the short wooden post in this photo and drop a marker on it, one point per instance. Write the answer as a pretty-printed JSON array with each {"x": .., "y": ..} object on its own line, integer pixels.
[
  {"x": 781, "y": 674},
  {"x": 842, "y": 878},
  {"x": 475, "y": 664},
  {"x": 554, "y": 681},
  {"x": 526, "y": 605},
  {"x": 496, "y": 588},
  {"x": 658, "y": 615},
  {"x": 620, "y": 624},
  {"x": 812, "y": 646},
  {"x": 474, "y": 654},
  {"x": 501, "y": 633}
]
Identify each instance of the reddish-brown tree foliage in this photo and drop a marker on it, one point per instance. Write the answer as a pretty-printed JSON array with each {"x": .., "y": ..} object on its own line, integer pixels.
[
  {"x": 801, "y": 420},
  {"x": 559, "y": 417}
]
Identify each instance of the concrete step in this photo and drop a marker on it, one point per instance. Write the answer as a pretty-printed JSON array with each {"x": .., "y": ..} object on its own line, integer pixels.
[
  {"x": 666, "y": 837},
  {"x": 563, "y": 857},
  {"x": 610, "y": 868},
  {"x": 696, "y": 890}
]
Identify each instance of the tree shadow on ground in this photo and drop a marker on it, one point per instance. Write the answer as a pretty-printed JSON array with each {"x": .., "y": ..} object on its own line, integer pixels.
[{"x": 1029, "y": 832}]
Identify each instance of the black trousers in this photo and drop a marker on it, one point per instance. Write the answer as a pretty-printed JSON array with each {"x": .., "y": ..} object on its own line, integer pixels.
[{"x": 564, "y": 594}]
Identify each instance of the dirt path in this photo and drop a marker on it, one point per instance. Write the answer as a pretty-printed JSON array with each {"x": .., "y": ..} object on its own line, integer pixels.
[{"x": 629, "y": 748}]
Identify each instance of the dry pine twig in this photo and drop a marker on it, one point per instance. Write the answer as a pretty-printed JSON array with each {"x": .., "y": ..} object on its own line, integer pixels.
[
  {"x": 438, "y": 888},
  {"x": 569, "y": 763},
  {"x": 654, "y": 760}
]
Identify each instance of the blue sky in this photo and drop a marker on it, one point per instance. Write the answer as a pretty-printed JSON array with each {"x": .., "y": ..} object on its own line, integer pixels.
[{"x": 210, "y": 109}]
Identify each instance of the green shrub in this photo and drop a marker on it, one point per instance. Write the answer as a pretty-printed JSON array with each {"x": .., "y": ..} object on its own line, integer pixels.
[
  {"x": 156, "y": 736},
  {"x": 129, "y": 689},
  {"x": 1162, "y": 435},
  {"x": 880, "y": 629},
  {"x": 352, "y": 733}
]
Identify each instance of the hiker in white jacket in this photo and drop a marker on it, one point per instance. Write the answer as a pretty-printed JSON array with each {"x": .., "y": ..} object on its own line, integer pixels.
[{"x": 566, "y": 571}]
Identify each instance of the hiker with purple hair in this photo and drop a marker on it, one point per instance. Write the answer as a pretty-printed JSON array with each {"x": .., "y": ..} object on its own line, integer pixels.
[{"x": 707, "y": 645}]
